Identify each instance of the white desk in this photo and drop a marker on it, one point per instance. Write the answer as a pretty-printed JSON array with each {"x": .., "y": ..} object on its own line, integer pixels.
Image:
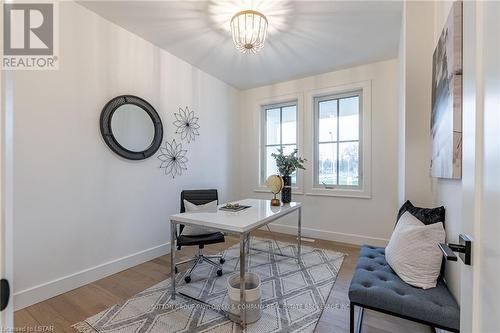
[{"x": 239, "y": 223}]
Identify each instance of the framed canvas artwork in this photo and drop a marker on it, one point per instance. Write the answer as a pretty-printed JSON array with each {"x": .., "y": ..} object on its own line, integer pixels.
[{"x": 446, "y": 116}]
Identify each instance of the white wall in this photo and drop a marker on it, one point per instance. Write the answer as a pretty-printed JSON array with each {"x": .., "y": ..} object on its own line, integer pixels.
[
  {"x": 343, "y": 219},
  {"x": 6, "y": 190},
  {"x": 82, "y": 212},
  {"x": 418, "y": 49},
  {"x": 402, "y": 110}
]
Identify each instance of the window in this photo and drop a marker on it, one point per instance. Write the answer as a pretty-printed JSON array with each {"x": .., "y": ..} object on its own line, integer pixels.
[
  {"x": 279, "y": 130},
  {"x": 337, "y": 141}
]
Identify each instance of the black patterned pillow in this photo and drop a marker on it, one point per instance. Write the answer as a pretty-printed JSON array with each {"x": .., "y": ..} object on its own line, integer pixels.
[{"x": 425, "y": 215}]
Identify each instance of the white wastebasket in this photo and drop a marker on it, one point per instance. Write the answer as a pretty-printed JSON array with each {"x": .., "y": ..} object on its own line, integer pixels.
[{"x": 253, "y": 296}]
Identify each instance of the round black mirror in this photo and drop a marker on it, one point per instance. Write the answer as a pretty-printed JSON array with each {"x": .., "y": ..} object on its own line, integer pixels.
[{"x": 131, "y": 127}]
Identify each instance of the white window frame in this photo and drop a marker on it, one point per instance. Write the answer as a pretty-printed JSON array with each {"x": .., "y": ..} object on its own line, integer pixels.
[
  {"x": 363, "y": 190},
  {"x": 317, "y": 101},
  {"x": 277, "y": 102}
]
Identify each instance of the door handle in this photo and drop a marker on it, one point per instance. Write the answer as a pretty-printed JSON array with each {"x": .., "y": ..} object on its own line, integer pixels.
[
  {"x": 447, "y": 252},
  {"x": 4, "y": 294},
  {"x": 464, "y": 249}
]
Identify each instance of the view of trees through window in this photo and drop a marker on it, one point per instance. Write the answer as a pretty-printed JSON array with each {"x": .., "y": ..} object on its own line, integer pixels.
[
  {"x": 338, "y": 147},
  {"x": 280, "y": 132},
  {"x": 337, "y": 139}
]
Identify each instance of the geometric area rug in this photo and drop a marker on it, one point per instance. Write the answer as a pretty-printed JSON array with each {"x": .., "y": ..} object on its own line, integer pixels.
[{"x": 293, "y": 296}]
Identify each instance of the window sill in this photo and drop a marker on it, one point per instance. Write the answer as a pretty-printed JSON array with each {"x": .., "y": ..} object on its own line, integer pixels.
[
  {"x": 339, "y": 192},
  {"x": 263, "y": 189}
]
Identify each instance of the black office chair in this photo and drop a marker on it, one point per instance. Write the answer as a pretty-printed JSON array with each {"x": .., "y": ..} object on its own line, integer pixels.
[{"x": 199, "y": 197}]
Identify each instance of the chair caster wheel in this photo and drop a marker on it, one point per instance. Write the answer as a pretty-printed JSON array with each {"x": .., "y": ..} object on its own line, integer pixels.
[
  {"x": 176, "y": 270},
  {"x": 222, "y": 260},
  {"x": 219, "y": 272},
  {"x": 187, "y": 279}
]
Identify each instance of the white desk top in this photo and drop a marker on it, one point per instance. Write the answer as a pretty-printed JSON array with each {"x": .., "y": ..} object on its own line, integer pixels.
[{"x": 260, "y": 213}]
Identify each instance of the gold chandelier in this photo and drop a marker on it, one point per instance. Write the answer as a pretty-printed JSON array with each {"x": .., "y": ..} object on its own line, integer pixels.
[{"x": 249, "y": 28}]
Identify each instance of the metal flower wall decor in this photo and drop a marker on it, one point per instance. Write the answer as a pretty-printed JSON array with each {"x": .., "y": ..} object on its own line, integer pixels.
[
  {"x": 187, "y": 124},
  {"x": 173, "y": 158}
]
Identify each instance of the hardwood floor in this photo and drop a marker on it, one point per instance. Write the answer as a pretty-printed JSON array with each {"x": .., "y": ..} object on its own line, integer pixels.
[{"x": 62, "y": 311}]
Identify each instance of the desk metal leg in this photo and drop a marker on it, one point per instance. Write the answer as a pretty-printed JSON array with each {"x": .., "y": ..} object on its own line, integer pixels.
[
  {"x": 299, "y": 233},
  {"x": 248, "y": 243},
  {"x": 242, "y": 280},
  {"x": 173, "y": 235}
]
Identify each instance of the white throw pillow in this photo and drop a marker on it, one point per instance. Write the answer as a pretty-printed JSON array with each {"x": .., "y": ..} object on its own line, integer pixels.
[
  {"x": 413, "y": 251},
  {"x": 191, "y": 207}
]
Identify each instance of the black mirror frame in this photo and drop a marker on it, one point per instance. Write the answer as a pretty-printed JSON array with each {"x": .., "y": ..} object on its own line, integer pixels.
[{"x": 107, "y": 133}]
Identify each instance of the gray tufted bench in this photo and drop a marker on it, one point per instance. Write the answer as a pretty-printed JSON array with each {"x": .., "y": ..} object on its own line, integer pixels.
[{"x": 375, "y": 286}]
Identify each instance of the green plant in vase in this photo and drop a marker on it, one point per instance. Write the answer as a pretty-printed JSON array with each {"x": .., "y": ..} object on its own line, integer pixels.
[{"x": 288, "y": 164}]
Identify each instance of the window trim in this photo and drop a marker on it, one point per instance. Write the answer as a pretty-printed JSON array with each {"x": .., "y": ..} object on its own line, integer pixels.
[
  {"x": 364, "y": 190},
  {"x": 316, "y": 142},
  {"x": 279, "y": 100}
]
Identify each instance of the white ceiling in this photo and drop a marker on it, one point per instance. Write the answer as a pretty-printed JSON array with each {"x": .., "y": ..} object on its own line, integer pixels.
[{"x": 305, "y": 37}]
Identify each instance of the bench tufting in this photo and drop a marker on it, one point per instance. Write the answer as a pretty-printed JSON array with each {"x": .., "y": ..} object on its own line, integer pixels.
[{"x": 376, "y": 286}]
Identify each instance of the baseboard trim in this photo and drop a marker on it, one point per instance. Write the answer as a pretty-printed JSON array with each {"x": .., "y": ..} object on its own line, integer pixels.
[
  {"x": 330, "y": 235},
  {"x": 41, "y": 292}
]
